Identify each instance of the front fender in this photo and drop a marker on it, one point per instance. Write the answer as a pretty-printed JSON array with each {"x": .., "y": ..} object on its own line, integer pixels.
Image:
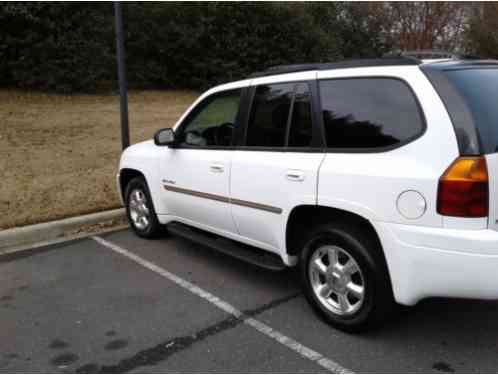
[{"x": 144, "y": 157}]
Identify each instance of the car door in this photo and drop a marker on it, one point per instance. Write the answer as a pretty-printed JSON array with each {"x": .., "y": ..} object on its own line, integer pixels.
[
  {"x": 276, "y": 168},
  {"x": 195, "y": 172}
]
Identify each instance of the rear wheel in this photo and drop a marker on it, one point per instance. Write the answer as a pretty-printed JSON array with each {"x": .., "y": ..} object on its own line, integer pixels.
[
  {"x": 345, "y": 278},
  {"x": 140, "y": 209}
]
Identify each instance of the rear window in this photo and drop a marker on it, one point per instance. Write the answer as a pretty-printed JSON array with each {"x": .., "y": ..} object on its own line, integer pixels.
[
  {"x": 369, "y": 113},
  {"x": 479, "y": 89}
]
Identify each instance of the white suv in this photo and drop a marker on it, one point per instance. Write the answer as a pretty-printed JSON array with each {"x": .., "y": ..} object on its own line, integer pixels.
[{"x": 377, "y": 177}]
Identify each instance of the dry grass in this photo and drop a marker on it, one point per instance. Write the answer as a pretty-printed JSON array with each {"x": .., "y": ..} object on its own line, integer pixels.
[{"x": 59, "y": 154}]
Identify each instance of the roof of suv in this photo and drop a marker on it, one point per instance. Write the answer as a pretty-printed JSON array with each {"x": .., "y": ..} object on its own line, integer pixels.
[
  {"x": 359, "y": 63},
  {"x": 363, "y": 63}
]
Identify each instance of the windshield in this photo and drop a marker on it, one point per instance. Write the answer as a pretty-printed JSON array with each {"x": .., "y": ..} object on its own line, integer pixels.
[{"x": 479, "y": 89}]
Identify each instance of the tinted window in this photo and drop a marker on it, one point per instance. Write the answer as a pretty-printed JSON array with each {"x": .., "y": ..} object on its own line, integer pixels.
[
  {"x": 212, "y": 122},
  {"x": 269, "y": 115},
  {"x": 479, "y": 89},
  {"x": 368, "y": 112},
  {"x": 300, "y": 132}
]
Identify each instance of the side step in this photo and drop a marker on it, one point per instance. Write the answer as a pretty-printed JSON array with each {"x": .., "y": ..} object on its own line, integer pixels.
[{"x": 249, "y": 254}]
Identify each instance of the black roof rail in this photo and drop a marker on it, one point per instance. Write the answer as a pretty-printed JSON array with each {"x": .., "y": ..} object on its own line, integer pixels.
[
  {"x": 470, "y": 57},
  {"x": 435, "y": 54},
  {"x": 430, "y": 54},
  {"x": 360, "y": 63}
]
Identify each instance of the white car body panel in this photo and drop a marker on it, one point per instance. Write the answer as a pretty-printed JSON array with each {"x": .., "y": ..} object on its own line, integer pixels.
[
  {"x": 144, "y": 157},
  {"x": 196, "y": 173},
  {"x": 261, "y": 177},
  {"x": 438, "y": 262}
]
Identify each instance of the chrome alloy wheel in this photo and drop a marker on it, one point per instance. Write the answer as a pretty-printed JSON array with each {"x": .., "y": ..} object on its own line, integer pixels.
[
  {"x": 139, "y": 212},
  {"x": 336, "y": 280}
]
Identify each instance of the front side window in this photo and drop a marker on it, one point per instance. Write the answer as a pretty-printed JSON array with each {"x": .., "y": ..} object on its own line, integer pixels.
[
  {"x": 212, "y": 122},
  {"x": 369, "y": 112},
  {"x": 280, "y": 116}
]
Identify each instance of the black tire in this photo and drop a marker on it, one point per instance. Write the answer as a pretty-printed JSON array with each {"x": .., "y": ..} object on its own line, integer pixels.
[
  {"x": 377, "y": 301},
  {"x": 153, "y": 229}
]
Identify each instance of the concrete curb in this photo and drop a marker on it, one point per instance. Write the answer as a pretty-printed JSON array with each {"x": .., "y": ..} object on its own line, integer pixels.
[
  {"x": 16, "y": 237},
  {"x": 33, "y": 248}
]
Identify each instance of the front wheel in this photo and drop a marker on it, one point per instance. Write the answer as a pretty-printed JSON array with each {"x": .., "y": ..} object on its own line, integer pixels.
[
  {"x": 140, "y": 210},
  {"x": 345, "y": 278}
]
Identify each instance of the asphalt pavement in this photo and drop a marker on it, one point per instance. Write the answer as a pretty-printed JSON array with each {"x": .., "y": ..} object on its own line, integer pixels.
[{"x": 168, "y": 305}]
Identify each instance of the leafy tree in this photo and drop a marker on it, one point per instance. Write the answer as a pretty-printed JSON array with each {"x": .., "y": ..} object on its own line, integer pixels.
[
  {"x": 482, "y": 31},
  {"x": 207, "y": 43},
  {"x": 69, "y": 47},
  {"x": 361, "y": 27},
  {"x": 63, "y": 47},
  {"x": 419, "y": 25}
]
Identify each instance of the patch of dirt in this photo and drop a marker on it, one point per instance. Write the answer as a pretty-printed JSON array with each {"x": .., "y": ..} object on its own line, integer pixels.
[
  {"x": 97, "y": 228},
  {"x": 59, "y": 154}
]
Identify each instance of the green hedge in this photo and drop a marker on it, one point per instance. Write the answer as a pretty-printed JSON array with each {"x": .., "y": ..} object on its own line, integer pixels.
[
  {"x": 64, "y": 47},
  {"x": 70, "y": 47}
]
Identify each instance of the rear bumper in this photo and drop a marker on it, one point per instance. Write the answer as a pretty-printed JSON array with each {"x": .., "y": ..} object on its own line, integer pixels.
[{"x": 436, "y": 262}]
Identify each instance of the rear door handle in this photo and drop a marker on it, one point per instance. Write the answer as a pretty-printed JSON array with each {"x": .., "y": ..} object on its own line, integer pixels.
[
  {"x": 216, "y": 168},
  {"x": 295, "y": 175}
]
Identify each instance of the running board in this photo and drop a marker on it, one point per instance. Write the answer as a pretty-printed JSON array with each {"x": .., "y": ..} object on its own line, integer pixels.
[{"x": 249, "y": 254}]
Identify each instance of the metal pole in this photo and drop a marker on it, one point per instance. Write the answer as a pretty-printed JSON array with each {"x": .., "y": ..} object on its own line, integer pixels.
[{"x": 123, "y": 91}]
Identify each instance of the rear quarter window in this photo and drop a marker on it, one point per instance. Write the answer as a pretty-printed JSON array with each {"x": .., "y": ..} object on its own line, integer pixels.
[
  {"x": 369, "y": 113},
  {"x": 479, "y": 89}
]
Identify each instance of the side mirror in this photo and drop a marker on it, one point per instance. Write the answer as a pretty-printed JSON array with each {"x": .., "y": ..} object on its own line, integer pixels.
[{"x": 164, "y": 137}]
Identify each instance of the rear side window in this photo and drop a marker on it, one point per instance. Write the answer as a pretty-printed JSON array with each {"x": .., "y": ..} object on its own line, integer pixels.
[
  {"x": 280, "y": 116},
  {"x": 269, "y": 115},
  {"x": 369, "y": 113},
  {"x": 479, "y": 89}
]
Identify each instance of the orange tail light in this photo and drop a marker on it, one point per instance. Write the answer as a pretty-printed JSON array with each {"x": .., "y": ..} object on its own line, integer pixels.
[{"x": 463, "y": 188}]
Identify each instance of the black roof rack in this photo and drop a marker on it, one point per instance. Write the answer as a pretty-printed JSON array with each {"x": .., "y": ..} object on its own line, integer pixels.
[
  {"x": 360, "y": 63},
  {"x": 430, "y": 54},
  {"x": 436, "y": 54}
]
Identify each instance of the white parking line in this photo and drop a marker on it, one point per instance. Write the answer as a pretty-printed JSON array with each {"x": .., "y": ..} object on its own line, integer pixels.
[{"x": 261, "y": 327}]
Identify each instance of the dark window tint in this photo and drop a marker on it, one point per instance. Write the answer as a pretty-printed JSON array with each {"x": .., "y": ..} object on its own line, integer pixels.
[
  {"x": 479, "y": 89},
  {"x": 300, "y": 131},
  {"x": 269, "y": 115},
  {"x": 212, "y": 122},
  {"x": 369, "y": 112}
]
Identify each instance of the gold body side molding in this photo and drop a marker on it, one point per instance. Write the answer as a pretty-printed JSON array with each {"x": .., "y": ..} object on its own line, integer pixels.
[{"x": 220, "y": 198}]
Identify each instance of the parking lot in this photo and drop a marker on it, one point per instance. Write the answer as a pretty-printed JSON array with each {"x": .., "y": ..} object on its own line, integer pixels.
[{"x": 117, "y": 303}]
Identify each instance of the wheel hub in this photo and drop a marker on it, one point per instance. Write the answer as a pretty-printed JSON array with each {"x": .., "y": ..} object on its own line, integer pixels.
[
  {"x": 336, "y": 280},
  {"x": 139, "y": 212}
]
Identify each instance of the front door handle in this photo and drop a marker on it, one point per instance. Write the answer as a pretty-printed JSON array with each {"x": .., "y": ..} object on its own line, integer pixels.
[
  {"x": 295, "y": 175},
  {"x": 216, "y": 168}
]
